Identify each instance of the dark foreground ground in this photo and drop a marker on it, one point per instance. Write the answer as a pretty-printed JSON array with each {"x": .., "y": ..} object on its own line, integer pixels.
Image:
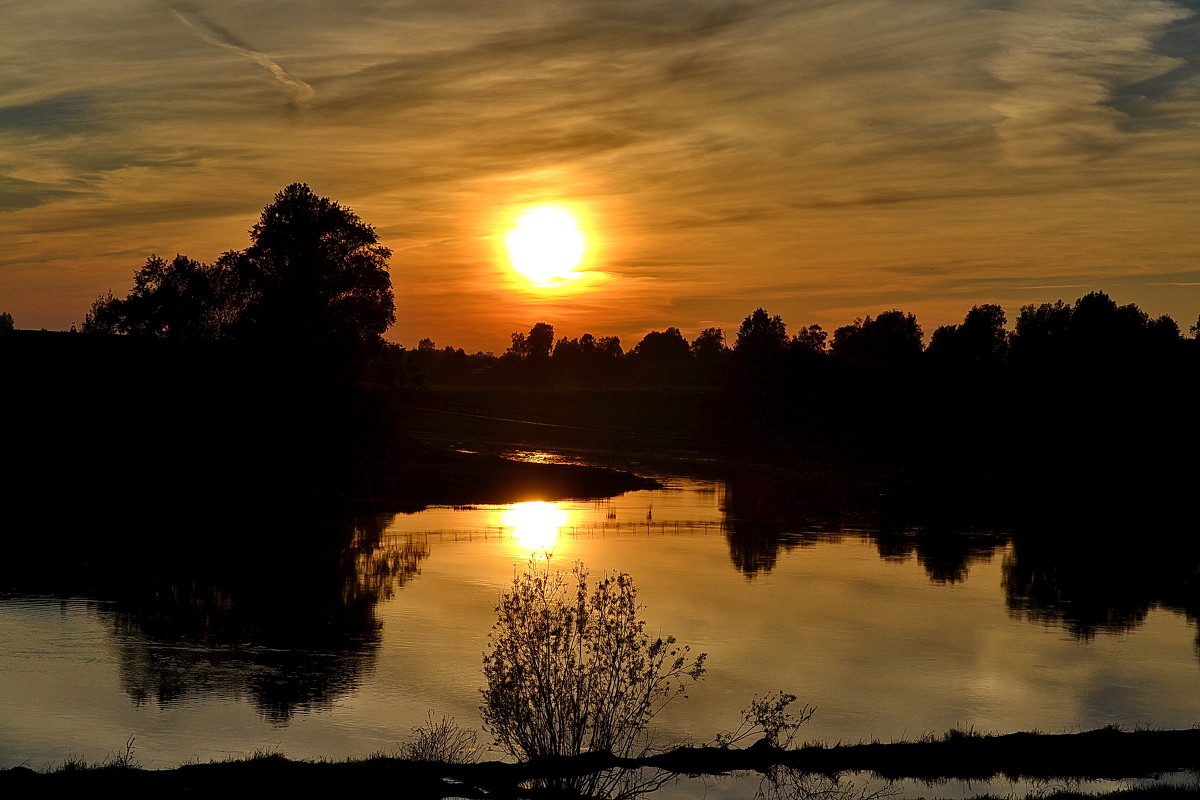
[{"x": 1101, "y": 754}]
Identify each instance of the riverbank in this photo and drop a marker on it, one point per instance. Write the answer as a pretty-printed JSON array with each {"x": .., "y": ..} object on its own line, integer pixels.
[
  {"x": 1107, "y": 753},
  {"x": 137, "y": 428},
  {"x": 431, "y": 476}
]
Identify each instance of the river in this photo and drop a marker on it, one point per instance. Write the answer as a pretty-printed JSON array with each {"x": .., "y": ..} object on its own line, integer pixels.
[{"x": 887, "y": 636}]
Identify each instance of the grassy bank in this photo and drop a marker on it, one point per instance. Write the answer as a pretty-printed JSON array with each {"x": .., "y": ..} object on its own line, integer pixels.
[{"x": 1102, "y": 754}]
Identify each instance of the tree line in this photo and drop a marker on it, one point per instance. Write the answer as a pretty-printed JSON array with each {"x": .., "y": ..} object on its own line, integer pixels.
[
  {"x": 1077, "y": 415},
  {"x": 279, "y": 348},
  {"x": 315, "y": 277},
  {"x": 1092, "y": 331}
]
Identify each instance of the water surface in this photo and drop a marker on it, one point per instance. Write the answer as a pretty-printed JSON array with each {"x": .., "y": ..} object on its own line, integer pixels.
[{"x": 889, "y": 636}]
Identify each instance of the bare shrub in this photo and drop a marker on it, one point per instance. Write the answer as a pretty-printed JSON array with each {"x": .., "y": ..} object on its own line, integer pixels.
[
  {"x": 441, "y": 740},
  {"x": 571, "y": 670},
  {"x": 768, "y": 720}
]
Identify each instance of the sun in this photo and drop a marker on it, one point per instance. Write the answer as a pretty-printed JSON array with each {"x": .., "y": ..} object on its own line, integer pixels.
[
  {"x": 546, "y": 245},
  {"x": 535, "y": 525}
]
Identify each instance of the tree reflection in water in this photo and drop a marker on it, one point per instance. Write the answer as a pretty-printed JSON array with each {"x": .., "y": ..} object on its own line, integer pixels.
[
  {"x": 767, "y": 515},
  {"x": 1084, "y": 575},
  {"x": 764, "y": 517},
  {"x": 946, "y": 556},
  {"x": 282, "y": 611},
  {"x": 1102, "y": 581}
]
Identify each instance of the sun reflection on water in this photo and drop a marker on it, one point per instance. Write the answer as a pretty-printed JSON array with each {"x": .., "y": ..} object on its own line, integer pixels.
[{"x": 535, "y": 526}]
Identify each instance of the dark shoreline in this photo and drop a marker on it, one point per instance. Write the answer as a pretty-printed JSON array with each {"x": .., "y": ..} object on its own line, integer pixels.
[
  {"x": 1101, "y": 754},
  {"x": 443, "y": 477}
]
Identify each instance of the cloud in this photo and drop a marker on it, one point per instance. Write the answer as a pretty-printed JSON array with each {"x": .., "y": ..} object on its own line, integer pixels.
[
  {"x": 18, "y": 194},
  {"x": 52, "y": 116},
  {"x": 826, "y": 156},
  {"x": 220, "y": 36},
  {"x": 1062, "y": 63},
  {"x": 1146, "y": 104}
]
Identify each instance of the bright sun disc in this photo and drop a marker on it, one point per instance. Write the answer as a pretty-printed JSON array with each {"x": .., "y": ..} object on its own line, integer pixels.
[
  {"x": 546, "y": 244},
  {"x": 535, "y": 525}
]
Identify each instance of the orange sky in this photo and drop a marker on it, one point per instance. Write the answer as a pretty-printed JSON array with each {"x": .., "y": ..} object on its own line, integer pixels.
[{"x": 824, "y": 160}]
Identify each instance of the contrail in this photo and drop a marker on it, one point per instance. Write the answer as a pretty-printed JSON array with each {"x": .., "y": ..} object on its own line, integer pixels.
[{"x": 216, "y": 35}]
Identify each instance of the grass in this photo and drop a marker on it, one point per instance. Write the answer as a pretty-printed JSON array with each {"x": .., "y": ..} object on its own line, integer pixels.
[
  {"x": 957, "y": 754},
  {"x": 125, "y": 758}
]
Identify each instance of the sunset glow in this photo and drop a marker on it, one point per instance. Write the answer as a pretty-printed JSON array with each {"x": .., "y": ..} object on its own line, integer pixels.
[
  {"x": 478, "y": 371},
  {"x": 678, "y": 168},
  {"x": 535, "y": 526},
  {"x": 546, "y": 245}
]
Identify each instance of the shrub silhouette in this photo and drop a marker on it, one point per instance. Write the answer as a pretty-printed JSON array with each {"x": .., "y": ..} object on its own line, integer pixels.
[
  {"x": 571, "y": 670},
  {"x": 441, "y": 740}
]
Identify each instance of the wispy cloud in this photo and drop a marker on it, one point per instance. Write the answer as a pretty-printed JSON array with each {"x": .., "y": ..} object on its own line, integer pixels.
[
  {"x": 51, "y": 116},
  {"x": 832, "y": 157},
  {"x": 220, "y": 36},
  {"x": 1061, "y": 64}
]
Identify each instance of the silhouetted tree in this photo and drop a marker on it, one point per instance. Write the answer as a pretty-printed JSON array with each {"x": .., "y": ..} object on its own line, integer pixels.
[
  {"x": 980, "y": 340},
  {"x": 761, "y": 335},
  {"x": 709, "y": 353},
  {"x": 893, "y": 339},
  {"x": 1162, "y": 333},
  {"x": 6, "y": 323},
  {"x": 577, "y": 359},
  {"x": 566, "y": 350},
  {"x": 661, "y": 356},
  {"x": 662, "y": 347},
  {"x": 810, "y": 340},
  {"x": 755, "y": 388},
  {"x": 1041, "y": 331},
  {"x": 1100, "y": 328},
  {"x": 534, "y": 346},
  {"x": 709, "y": 344},
  {"x": 758, "y": 358},
  {"x": 1116, "y": 374},
  {"x": 609, "y": 347},
  {"x": 181, "y": 299},
  {"x": 314, "y": 275},
  {"x": 1094, "y": 332},
  {"x": 314, "y": 272},
  {"x": 307, "y": 400}
]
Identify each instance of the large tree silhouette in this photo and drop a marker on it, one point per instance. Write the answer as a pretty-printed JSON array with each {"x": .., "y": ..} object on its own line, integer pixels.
[
  {"x": 265, "y": 370},
  {"x": 315, "y": 271},
  {"x": 314, "y": 275}
]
